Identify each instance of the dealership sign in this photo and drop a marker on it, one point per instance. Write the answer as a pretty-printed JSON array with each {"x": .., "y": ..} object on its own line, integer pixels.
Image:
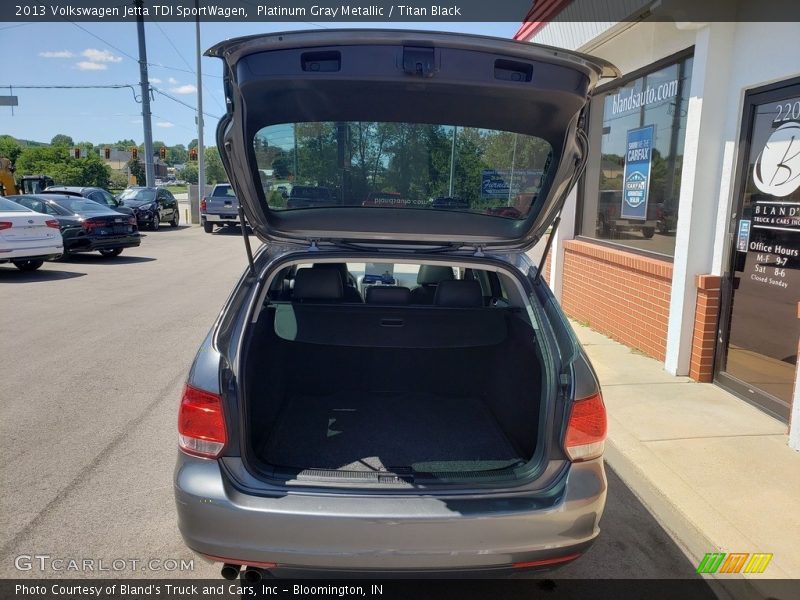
[
  {"x": 636, "y": 177},
  {"x": 777, "y": 168},
  {"x": 628, "y": 99},
  {"x": 507, "y": 183}
]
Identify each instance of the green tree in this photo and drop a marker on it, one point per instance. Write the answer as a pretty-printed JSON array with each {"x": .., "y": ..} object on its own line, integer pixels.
[
  {"x": 280, "y": 166},
  {"x": 215, "y": 172},
  {"x": 10, "y": 148},
  {"x": 117, "y": 181},
  {"x": 189, "y": 173},
  {"x": 192, "y": 144},
  {"x": 57, "y": 162},
  {"x": 177, "y": 155},
  {"x": 61, "y": 140},
  {"x": 136, "y": 168}
]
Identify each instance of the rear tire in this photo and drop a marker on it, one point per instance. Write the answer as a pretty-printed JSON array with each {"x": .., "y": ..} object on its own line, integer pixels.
[
  {"x": 110, "y": 252},
  {"x": 208, "y": 227},
  {"x": 28, "y": 265}
]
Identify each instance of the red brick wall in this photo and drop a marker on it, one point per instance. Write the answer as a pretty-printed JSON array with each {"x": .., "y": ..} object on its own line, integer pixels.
[
  {"x": 546, "y": 269},
  {"x": 701, "y": 366},
  {"x": 622, "y": 295}
]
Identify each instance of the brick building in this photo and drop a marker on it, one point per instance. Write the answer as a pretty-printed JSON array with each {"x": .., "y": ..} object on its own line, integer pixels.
[{"x": 682, "y": 239}]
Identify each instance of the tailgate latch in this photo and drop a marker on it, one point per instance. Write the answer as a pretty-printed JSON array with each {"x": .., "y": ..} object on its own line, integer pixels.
[{"x": 419, "y": 61}]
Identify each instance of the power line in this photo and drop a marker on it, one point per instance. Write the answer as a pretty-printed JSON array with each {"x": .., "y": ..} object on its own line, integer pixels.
[
  {"x": 178, "y": 52},
  {"x": 174, "y": 99},
  {"x": 133, "y": 58}
]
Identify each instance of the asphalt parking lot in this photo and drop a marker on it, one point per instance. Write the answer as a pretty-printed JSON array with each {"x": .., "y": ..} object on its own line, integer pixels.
[{"x": 94, "y": 354}]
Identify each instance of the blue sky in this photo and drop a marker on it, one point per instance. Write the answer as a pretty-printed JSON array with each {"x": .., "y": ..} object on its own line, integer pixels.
[{"x": 104, "y": 53}]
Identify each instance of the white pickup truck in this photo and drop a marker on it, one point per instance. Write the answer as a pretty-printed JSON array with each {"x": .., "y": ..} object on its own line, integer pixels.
[{"x": 220, "y": 208}]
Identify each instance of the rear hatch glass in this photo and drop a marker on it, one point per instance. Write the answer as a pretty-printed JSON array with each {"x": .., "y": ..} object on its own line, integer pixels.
[{"x": 401, "y": 165}]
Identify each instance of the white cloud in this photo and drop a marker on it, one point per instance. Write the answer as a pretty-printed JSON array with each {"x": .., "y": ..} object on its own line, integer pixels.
[
  {"x": 95, "y": 55},
  {"x": 165, "y": 124},
  {"x": 173, "y": 81},
  {"x": 155, "y": 80},
  {"x": 86, "y": 65},
  {"x": 56, "y": 54},
  {"x": 183, "y": 89}
]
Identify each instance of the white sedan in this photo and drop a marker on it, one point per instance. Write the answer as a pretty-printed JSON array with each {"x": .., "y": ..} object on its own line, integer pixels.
[{"x": 27, "y": 238}]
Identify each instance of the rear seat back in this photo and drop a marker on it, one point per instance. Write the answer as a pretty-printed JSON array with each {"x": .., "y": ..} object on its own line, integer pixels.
[{"x": 388, "y": 294}]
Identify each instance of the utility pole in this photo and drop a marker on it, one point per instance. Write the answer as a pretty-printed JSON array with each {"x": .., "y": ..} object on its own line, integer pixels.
[
  {"x": 201, "y": 155},
  {"x": 452, "y": 163},
  {"x": 145, "y": 83}
]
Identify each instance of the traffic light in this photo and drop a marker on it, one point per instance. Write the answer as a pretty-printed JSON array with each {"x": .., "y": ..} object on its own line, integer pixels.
[
  {"x": 107, "y": 153},
  {"x": 77, "y": 153},
  {"x": 162, "y": 152},
  {"x": 193, "y": 154},
  {"x": 135, "y": 153}
]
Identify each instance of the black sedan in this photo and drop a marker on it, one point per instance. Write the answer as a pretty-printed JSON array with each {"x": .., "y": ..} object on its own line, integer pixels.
[
  {"x": 97, "y": 194},
  {"x": 86, "y": 226},
  {"x": 151, "y": 206}
]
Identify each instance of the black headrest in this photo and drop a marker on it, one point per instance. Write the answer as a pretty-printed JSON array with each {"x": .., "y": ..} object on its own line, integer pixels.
[
  {"x": 317, "y": 284},
  {"x": 463, "y": 293},
  {"x": 340, "y": 268},
  {"x": 433, "y": 274},
  {"x": 388, "y": 294}
]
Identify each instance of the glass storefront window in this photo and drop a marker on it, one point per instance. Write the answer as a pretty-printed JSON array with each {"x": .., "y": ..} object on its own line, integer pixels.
[{"x": 632, "y": 181}]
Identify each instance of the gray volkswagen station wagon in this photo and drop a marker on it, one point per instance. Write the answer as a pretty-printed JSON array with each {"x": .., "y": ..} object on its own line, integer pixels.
[{"x": 391, "y": 386}]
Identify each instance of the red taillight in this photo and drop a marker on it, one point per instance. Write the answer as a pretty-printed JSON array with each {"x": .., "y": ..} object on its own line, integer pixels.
[
  {"x": 52, "y": 223},
  {"x": 6, "y": 225},
  {"x": 201, "y": 423},
  {"x": 586, "y": 430},
  {"x": 203, "y": 205}
]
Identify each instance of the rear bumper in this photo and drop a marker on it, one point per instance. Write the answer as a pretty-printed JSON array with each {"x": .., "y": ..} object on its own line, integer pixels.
[
  {"x": 221, "y": 218},
  {"x": 35, "y": 252},
  {"x": 91, "y": 244},
  {"x": 308, "y": 532}
]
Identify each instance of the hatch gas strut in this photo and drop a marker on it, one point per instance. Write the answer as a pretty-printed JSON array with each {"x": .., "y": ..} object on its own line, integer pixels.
[
  {"x": 248, "y": 249},
  {"x": 549, "y": 243}
]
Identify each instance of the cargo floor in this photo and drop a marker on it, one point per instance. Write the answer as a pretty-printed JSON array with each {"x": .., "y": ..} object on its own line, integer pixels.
[{"x": 394, "y": 431}]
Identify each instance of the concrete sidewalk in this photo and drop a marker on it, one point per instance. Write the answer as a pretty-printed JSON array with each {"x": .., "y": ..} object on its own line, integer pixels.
[{"x": 715, "y": 471}]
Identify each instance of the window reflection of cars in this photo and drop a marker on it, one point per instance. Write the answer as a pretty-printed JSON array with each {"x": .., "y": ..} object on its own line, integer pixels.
[
  {"x": 610, "y": 222},
  {"x": 448, "y": 202},
  {"x": 304, "y": 196}
]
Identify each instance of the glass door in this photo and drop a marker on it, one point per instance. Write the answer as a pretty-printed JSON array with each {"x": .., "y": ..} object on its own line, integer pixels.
[{"x": 759, "y": 325}]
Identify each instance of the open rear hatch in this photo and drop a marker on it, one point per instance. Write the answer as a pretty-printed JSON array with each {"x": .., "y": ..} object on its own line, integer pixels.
[{"x": 386, "y": 137}]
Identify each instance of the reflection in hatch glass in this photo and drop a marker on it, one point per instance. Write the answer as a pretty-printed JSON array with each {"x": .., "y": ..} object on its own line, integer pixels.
[{"x": 400, "y": 165}]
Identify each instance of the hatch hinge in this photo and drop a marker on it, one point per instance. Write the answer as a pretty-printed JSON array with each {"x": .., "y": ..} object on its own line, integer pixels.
[
  {"x": 479, "y": 252},
  {"x": 313, "y": 245},
  {"x": 565, "y": 380}
]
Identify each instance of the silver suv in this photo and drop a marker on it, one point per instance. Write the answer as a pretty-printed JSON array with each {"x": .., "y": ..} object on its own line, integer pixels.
[{"x": 391, "y": 386}]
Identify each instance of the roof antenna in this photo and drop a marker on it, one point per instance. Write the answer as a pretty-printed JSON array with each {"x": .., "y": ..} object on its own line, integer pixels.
[{"x": 248, "y": 249}]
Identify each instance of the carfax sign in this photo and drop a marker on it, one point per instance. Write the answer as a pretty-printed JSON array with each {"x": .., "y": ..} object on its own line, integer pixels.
[{"x": 636, "y": 177}]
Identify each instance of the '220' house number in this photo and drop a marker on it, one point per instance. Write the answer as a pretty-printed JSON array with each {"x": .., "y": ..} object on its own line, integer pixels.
[{"x": 789, "y": 111}]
